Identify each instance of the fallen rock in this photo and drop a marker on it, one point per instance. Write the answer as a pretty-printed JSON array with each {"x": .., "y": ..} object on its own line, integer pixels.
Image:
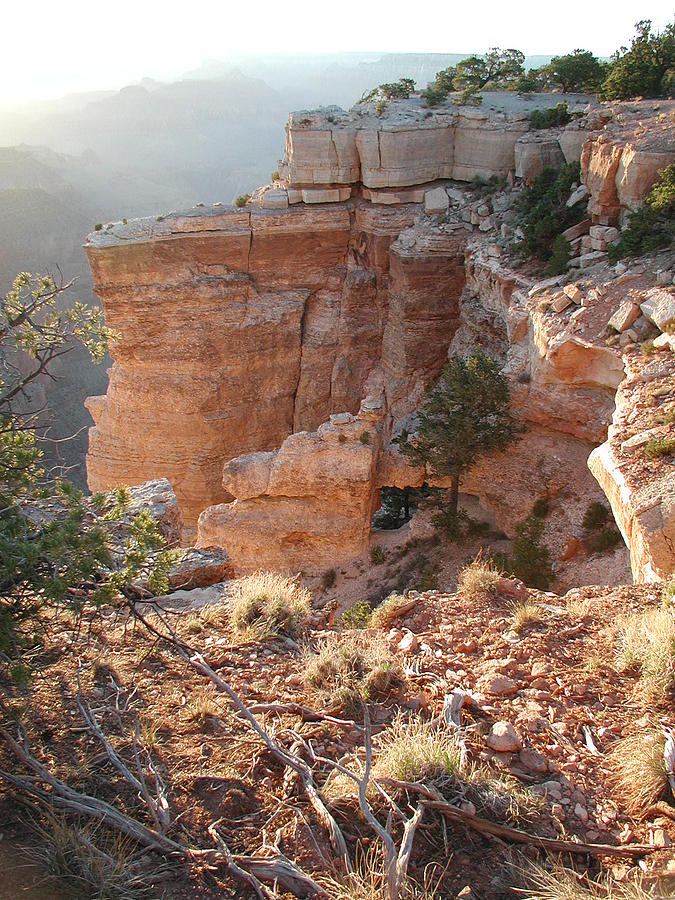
[
  {"x": 436, "y": 201},
  {"x": 200, "y": 567},
  {"x": 627, "y": 313},
  {"x": 533, "y": 760},
  {"x": 659, "y": 307},
  {"x": 503, "y": 738},
  {"x": 499, "y": 685}
]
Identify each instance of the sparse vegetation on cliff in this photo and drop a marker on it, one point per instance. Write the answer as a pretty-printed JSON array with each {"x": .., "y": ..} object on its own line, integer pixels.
[
  {"x": 463, "y": 415},
  {"x": 542, "y": 212},
  {"x": 552, "y": 117},
  {"x": 653, "y": 225},
  {"x": 242, "y": 200}
]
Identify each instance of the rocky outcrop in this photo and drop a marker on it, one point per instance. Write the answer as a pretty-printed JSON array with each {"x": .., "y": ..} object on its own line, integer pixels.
[
  {"x": 641, "y": 489},
  {"x": 307, "y": 505},
  {"x": 624, "y": 154},
  {"x": 248, "y": 337},
  {"x": 236, "y": 328}
]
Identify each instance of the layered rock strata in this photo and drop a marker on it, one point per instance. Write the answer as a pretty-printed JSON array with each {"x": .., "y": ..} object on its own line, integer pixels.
[{"x": 242, "y": 331}]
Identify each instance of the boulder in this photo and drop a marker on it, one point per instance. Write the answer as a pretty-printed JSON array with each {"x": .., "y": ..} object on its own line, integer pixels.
[
  {"x": 659, "y": 307},
  {"x": 503, "y": 738},
  {"x": 436, "y": 201},
  {"x": 627, "y": 313}
]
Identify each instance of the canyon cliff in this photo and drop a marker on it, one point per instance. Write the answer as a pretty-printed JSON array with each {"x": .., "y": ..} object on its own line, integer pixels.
[{"x": 268, "y": 354}]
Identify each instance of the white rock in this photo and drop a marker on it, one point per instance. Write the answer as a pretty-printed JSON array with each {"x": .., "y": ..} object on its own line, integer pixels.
[
  {"x": 436, "y": 201},
  {"x": 659, "y": 307},
  {"x": 579, "y": 194}
]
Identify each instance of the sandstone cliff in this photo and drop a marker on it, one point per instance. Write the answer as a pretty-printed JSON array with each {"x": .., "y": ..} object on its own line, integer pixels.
[{"x": 242, "y": 331}]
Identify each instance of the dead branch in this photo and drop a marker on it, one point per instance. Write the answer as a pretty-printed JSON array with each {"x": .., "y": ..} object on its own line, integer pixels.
[
  {"x": 196, "y": 660},
  {"x": 259, "y": 889},
  {"x": 515, "y": 835},
  {"x": 307, "y": 714}
]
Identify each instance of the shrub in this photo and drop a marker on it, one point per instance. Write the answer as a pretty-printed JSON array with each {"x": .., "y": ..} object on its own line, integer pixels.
[
  {"x": 349, "y": 669},
  {"x": 541, "y": 507},
  {"x": 647, "y": 640},
  {"x": 559, "y": 261},
  {"x": 551, "y": 117},
  {"x": 328, "y": 579},
  {"x": 275, "y": 175},
  {"x": 668, "y": 592},
  {"x": 541, "y": 210},
  {"x": 606, "y": 539},
  {"x": 98, "y": 226},
  {"x": 656, "y": 447},
  {"x": 415, "y": 750},
  {"x": 653, "y": 225},
  {"x": 387, "y": 610},
  {"x": 377, "y": 555},
  {"x": 644, "y": 69},
  {"x": 124, "y": 221},
  {"x": 531, "y": 560},
  {"x": 394, "y": 90},
  {"x": 479, "y": 578},
  {"x": 268, "y": 604},
  {"x": 364, "y": 437},
  {"x": 358, "y": 615},
  {"x": 486, "y": 187},
  {"x": 525, "y": 613},
  {"x": 596, "y": 514},
  {"x": 637, "y": 769},
  {"x": 242, "y": 200},
  {"x": 428, "y": 579}
]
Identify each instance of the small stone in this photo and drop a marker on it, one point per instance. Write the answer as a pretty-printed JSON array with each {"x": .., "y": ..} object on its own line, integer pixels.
[
  {"x": 500, "y": 685},
  {"x": 560, "y": 302},
  {"x": 660, "y": 838},
  {"x": 408, "y": 643},
  {"x": 581, "y": 813},
  {"x": 625, "y": 315},
  {"x": 573, "y": 291},
  {"x": 533, "y": 760},
  {"x": 206, "y": 750},
  {"x": 503, "y": 738},
  {"x": 436, "y": 201}
]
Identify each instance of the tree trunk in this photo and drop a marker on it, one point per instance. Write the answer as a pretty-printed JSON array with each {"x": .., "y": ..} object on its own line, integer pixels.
[{"x": 454, "y": 493}]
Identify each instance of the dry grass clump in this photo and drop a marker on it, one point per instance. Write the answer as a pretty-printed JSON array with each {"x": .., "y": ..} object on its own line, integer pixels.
[
  {"x": 525, "y": 613},
  {"x": 367, "y": 881},
  {"x": 416, "y": 750},
  {"x": 647, "y": 640},
  {"x": 87, "y": 861},
  {"x": 266, "y": 604},
  {"x": 342, "y": 671},
  {"x": 200, "y": 706},
  {"x": 388, "y": 609},
  {"x": 560, "y": 883},
  {"x": 637, "y": 769},
  {"x": 479, "y": 579}
]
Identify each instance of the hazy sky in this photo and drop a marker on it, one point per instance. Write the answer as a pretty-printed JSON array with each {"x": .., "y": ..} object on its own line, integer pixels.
[{"x": 49, "y": 48}]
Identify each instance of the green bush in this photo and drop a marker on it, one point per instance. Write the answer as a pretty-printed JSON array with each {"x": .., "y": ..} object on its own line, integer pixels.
[
  {"x": 364, "y": 437},
  {"x": 605, "y": 539},
  {"x": 596, "y": 514},
  {"x": 542, "y": 213},
  {"x": 98, "y": 226},
  {"x": 551, "y": 117},
  {"x": 531, "y": 560},
  {"x": 377, "y": 555},
  {"x": 559, "y": 261},
  {"x": 656, "y": 447},
  {"x": 328, "y": 579},
  {"x": 486, "y": 187},
  {"x": 242, "y": 200},
  {"x": 358, "y": 615},
  {"x": 645, "y": 70},
  {"x": 653, "y": 225},
  {"x": 275, "y": 175},
  {"x": 395, "y": 90}
]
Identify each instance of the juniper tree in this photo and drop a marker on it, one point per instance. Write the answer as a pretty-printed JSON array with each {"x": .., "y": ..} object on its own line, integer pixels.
[{"x": 463, "y": 415}]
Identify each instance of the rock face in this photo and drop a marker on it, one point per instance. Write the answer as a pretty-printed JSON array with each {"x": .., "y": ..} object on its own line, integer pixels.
[
  {"x": 640, "y": 490},
  {"x": 307, "y": 505},
  {"x": 250, "y": 336},
  {"x": 238, "y": 328},
  {"x": 623, "y": 156},
  {"x": 405, "y": 147}
]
